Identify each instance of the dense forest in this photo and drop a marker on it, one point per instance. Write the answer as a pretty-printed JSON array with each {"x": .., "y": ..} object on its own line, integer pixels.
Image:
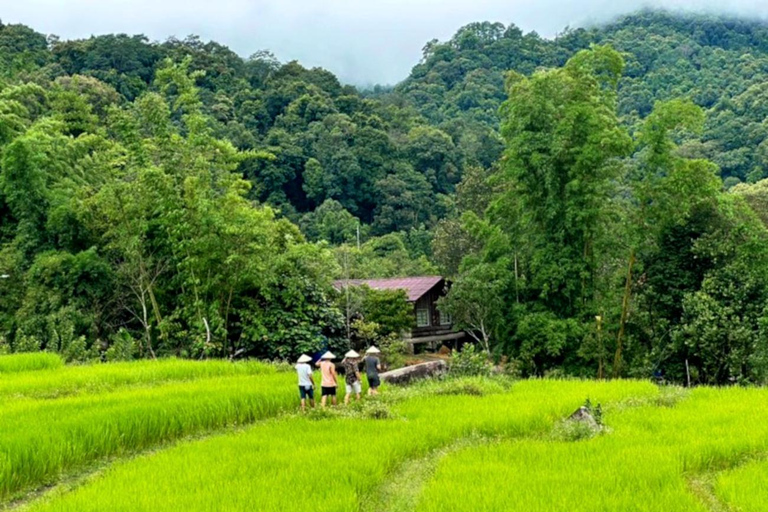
[{"x": 596, "y": 197}]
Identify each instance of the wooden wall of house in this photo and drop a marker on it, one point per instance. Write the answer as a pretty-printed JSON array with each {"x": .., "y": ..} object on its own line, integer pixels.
[{"x": 429, "y": 301}]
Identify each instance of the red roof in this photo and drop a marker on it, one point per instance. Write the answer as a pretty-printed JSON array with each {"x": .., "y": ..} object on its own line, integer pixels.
[{"x": 415, "y": 287}]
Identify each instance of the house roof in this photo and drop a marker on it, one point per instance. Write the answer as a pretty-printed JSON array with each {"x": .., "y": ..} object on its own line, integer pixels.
[{"x": 415, "y": 287}]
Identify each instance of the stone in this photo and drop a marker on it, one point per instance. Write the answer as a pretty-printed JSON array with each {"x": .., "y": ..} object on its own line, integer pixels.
[
  {"x": 582, "y": 415},
  {"x": 415, "y": 372}
]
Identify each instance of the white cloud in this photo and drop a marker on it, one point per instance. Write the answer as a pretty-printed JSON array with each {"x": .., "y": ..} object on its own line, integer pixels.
[{"x": 363, "y": 41}]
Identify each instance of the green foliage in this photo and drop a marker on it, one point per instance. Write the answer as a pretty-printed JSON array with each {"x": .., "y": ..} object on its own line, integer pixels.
[
  {"x": 718, "y": 62},
  {"x": 375, "y": 316},
  {"x": 389, "y": 309},
  {"x": 148, "y": 191},
  {"x": 567, "y": 206},
  {"x": 563, "y": 137},
  {"x": 135, "y": 226},
  {"x": 469, "y": 362},
  {"x": 383, "y": 256}
]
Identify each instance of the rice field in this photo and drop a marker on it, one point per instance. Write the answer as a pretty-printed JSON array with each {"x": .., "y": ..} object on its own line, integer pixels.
[
  {"x": 157, "y": 436},
  {"x": 746, "y": 487},
  {"x": 326, "y": 462},
  {"x": 649, "y": 461},
  {"x": 29, "y": 362},
  {"x": 53, "y": 422},
  {"x": 57, "y": 381}
]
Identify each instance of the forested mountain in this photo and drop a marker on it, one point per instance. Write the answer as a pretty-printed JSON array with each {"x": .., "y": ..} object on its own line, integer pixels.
[
  {"x": 721, "y": 64},
  {"x": 174, "y": 198},
  {"x": 391, "y": 160},
  {"x": 383, "y": 164}
]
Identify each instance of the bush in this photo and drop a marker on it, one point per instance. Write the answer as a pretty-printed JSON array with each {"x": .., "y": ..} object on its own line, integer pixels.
[
  {"x": 474, "y": 386},
  {"x": 469, "y": 362},
  {"x": 392, "y": 351},
  {"x": 122, "y": 348}
]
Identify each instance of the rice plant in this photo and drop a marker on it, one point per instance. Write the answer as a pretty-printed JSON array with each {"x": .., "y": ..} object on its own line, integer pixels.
[
  {"x": 29, "y": 362},
  {"x": 644, "y": 464},
  {"x": 745, "y": 487},
  {"x": 302, "y": 463},
  {"x": 41, "y": 439},
  {"x": 109, "y": 376}
]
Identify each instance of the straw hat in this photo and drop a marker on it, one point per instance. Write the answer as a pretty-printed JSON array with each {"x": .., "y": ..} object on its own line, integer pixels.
[
  {"x": 373, "y": 350},
  {"x": 351, "y": 354},
  {"x": 304, "y": 358},
  {"x": 328, "y": 355}
]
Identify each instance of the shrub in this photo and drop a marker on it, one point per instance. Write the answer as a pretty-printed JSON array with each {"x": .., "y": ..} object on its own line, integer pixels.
[{"x": 469, "y": 362}]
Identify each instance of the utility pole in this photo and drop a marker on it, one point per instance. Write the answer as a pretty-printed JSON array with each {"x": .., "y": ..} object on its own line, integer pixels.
[
  {"x": 358, "y": 235},
  {"x": 346, "y": 293}
]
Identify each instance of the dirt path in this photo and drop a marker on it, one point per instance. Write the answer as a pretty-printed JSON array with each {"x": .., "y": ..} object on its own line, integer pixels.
[
  {"x": 402, "y": 489},
  {"x": 702, "y": 485}
]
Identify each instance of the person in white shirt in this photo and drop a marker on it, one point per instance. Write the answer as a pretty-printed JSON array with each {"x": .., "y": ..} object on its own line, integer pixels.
[{"x": 306, "y": 382}]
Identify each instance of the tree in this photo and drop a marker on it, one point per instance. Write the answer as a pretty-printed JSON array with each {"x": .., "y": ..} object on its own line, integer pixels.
[
  {"x": 476, "y": 302},
  {"x": 563, "y": 138}
]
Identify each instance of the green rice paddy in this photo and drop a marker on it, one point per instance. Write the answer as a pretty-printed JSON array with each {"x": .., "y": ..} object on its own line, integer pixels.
[
  {"x": 29, "y": 362},
  {"x": 159, "y": 436}
]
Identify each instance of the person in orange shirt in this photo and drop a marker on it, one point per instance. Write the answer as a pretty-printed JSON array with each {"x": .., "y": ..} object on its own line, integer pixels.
[{"x": 329, "y": 380}]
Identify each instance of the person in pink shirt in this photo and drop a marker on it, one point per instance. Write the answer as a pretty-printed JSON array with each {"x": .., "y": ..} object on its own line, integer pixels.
[{"x": 329, "y": 379}]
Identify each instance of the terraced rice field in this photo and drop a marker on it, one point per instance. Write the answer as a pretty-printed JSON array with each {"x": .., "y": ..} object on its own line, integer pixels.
[
  {"x": 29, "y": 362},
  {"x": 56, "y": 421},
  {"x": 123, "y": 443}
]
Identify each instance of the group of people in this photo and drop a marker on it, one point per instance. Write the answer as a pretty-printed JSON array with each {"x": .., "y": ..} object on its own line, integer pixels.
[{"x": 329, "y": 377}]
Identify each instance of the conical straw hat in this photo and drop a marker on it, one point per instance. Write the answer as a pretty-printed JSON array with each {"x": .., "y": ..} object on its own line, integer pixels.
[
  {"x": 328, "y": 355},
  {"x": 304, "y": 358},
  {"x": 351, "y": 354},
  {"x": 373, "y": 350}
]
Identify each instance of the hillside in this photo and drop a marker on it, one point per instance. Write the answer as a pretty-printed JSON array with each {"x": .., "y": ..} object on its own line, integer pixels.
[
  {"x": 388, "y": 158},
  {"x": 719, "y": 63},
  {"x": 174, "y": 198}
]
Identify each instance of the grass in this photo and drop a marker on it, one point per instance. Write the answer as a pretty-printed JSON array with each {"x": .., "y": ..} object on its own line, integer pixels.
[
  {"x": 326, "y": 462},
  {"x": 41, "y": 439},
  {"x": 29, "y": 362},
  {"x": 57, "y": 382},
  {"x": 453, "y": 446},
  {"x": 645, "y": 463},
  {"x": 745, "y": 487}
]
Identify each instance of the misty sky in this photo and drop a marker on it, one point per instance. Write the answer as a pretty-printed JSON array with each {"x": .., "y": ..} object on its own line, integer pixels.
[{"x": 362, "y": 41}]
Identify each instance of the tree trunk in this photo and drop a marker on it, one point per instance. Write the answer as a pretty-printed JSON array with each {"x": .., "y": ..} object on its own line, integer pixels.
[{"x": 624, "y": 314}]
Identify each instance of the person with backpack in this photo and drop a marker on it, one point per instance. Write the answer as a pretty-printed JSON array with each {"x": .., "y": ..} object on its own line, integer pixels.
[{"x": 352, "y": 378}]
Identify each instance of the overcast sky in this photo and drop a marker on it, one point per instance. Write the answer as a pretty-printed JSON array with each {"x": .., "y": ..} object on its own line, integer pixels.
[{"x": 362, "y": 41}]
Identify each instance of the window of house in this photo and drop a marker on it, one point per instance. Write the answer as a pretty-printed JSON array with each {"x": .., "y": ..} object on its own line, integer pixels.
[
  {"x": 445, "y": 318},
  {"x": 422, "y": 317}
]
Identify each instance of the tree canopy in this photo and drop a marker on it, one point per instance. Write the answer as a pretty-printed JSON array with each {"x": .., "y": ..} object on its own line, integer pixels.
[{"x": 598, "y": 199}]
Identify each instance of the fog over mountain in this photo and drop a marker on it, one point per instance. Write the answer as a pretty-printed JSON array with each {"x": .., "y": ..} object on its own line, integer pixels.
[{"x": 363, "y": 42}]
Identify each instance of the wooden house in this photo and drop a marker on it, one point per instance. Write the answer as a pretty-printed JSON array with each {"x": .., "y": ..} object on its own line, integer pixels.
[{"x": 430, "y": 326}]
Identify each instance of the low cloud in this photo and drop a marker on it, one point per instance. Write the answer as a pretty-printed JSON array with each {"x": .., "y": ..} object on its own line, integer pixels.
[{"x": 362, "y": 41}]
